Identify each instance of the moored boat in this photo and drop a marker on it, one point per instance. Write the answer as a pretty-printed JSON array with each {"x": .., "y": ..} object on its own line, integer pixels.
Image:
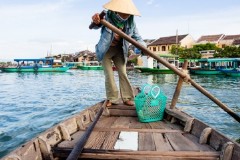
[
  {"x": 90, "y": 65},
  {"x": 36, "y": 65},
  {"x": 232, "y": 73},
  {"x": 73, "y": 65},
  {"x": 152, "y": 66},
  {"x": 213, "y": 66},
  {"x": 235, "y": 72}
]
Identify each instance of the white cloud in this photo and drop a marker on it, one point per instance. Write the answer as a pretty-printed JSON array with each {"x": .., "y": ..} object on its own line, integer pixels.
[{"x": 150, "y": 2}]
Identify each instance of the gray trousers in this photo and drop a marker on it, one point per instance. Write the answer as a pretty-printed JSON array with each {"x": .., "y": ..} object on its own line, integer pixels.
[{"x": 115, "y": 55}]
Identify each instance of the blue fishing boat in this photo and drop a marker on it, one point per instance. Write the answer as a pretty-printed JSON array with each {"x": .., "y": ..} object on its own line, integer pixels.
[
  {"x": 36, "y": 65},
  {"x": 235, "y": 72},
  {"x": 213, "y": 66},
  {"x": 232, "y": 73}
]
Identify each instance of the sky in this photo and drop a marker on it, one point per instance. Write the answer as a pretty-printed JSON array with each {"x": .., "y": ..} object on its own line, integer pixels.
[{"x": 35, "y": 29}]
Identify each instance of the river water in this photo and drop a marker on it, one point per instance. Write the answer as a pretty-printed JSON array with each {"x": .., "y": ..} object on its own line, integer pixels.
[{"x": 31, "y": 103}]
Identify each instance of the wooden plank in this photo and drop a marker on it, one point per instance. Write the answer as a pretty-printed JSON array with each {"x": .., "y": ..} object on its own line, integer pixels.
[
  {"x": 138, "y": 130},
  {"x": 180, "y": 143},
  {"x": 146, "y": 142},
  {"x": 122, "y": 107},
  {"x": 236, "y": 151},
  {"x": 194, "y": 139},
  {"x": 110, "y": 140},
  {"x": 165, "y": 155},
  {"x": 178, "y": 114},
  {"x": 137, "y": 124},
  {"x": 121, "y": 122},
  {"x": 161, "y": 143},
  {"x": 198, "y": 127},
  {"x": 107, "y": 139},
  {"x": 121, "y": 112},
  {"x": 105, "y": 122},
  {"x": 169, "y": 125},
  {"x": 217, "y": 140},
  {"x": 92, "y": 139},
  {"x": 146, "y": 126},
  {"x": 98, "y": 140},
  {"x": 126, "y": 154},
  {"x": 158, "y": 125},
  {"x": 74, "y": 139},
  {"x": 29, "y": 150}
]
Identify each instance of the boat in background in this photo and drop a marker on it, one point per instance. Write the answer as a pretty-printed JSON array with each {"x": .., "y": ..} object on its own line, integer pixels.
[
  {"x": 152, "y": 66},
  {"x": 90, "y": 65},
  {"x": 36, "y": 65},
  {"x": 73, "y": 65},
  {"x": 235, "y": 72},
  {"x": 192, "y": 63},
  {"x": 232, "y": 73},
  {"x": 213, "y": 66}
]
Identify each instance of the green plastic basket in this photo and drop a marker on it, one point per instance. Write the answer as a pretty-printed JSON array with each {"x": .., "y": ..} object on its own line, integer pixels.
[{"x": 150, "y": 105}]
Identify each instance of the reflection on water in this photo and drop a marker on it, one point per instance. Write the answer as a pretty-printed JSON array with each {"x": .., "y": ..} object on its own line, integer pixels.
[{"x": 31, "y": 103}]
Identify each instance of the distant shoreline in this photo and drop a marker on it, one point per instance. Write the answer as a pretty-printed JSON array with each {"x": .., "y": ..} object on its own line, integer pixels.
[{"x": 6, "y": 60}]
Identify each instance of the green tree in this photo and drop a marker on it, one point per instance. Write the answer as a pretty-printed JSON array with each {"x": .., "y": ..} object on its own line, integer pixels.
[
  {"x": 185, "y": 53},
  {"x": 207, "y": 46},
  {"x": 228, "y": 51},
  {"x": 194, "y": 52}
]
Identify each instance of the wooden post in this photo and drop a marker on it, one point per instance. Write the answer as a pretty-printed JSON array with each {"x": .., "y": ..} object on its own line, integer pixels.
[{"x": 178, "y": 88}]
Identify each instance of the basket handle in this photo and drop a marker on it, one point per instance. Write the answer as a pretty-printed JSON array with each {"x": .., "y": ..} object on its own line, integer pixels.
[
  {"x": 144, "y": 87},
  {"x": 158, "y": 92}
]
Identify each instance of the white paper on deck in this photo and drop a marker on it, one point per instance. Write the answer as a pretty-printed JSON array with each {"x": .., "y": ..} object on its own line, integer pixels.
[{"x": 127, "y": 140}]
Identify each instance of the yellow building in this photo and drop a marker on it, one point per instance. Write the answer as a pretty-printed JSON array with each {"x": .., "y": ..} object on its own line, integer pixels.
[
  {"x": 163, "y": 45},
  {"x": 229, "y": 40},
  {"x": 213, "y": 39}
]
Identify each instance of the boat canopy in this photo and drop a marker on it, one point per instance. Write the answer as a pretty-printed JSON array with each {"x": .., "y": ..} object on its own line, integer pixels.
[
  {"x": 218, "y": 59},
  {"x": 34, "y": 59},
  {"x": 181, "y": 60}
]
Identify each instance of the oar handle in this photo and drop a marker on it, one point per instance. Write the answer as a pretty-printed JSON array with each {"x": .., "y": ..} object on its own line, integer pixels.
[{"x": 101, "y": 15}]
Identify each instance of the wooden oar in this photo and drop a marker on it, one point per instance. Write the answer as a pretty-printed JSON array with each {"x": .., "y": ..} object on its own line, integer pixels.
[
  {"x": 77, "y": 150},
  {"x": 173, "y": 68}
]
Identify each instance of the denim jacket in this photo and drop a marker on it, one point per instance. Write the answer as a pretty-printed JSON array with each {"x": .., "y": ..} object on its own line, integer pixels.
[{"x": 107, "y": 37}]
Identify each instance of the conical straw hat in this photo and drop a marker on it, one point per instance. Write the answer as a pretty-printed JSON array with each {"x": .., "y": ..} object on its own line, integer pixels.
[{"x": 122, "y": 6}]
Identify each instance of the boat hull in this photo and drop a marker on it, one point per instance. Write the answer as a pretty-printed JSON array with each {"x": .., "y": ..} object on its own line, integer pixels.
[
  {"x": 50, "y": 69},
  {"x": 154, "y": 70},
  {"x": 205, "y": 72},
  {"x": 90, "y": 67},
  {"x": 118, "y": 127},
  {"x": 232, "y": 73}
]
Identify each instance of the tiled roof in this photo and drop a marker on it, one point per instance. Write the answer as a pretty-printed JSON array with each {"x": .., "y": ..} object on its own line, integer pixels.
[
  {"x": 236, "y": 42},
  {"x": 85, "y": 53},
  {"x": 167, "y": 40},
  {"x": 210, "y": 38},
  {"x": 231, "y": 37},
  {"x": 148, "y": 41}
]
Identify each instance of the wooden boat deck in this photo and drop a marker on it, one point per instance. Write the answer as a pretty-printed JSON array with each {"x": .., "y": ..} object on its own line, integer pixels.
[
  {"x": 155, "y": 140},
  {"x": 119, "y": 135}
]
